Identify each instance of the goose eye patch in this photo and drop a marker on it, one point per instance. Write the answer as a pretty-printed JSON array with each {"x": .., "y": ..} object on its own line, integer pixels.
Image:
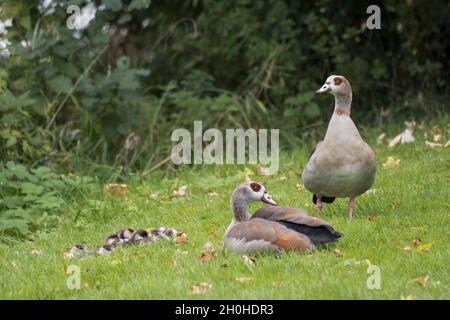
[
  {"x": 337, "y": 81},
  {"x": 255, "y": 187}
]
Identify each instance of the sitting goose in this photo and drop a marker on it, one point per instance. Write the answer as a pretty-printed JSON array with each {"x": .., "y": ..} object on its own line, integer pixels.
[
  {"x": 272, "y": 230},
  {"x": 342, "y": 165}
]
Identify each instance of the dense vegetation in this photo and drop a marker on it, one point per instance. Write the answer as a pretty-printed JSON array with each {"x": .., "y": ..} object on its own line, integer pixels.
[
  {"x": 113, "y": 91},
  {"x": 102, "y": 101}
]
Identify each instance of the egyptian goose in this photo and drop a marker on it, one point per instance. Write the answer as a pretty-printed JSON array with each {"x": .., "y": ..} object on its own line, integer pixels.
[
  {"x": 272, "y": 229},
  {"x": 342, "y": 165}
]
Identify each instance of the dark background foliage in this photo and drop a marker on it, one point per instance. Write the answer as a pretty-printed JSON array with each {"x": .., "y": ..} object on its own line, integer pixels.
[{"x": 111, "y": 93}]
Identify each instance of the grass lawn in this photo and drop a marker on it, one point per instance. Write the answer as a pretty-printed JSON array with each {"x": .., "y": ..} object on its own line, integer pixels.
[{"x": 407, "y": 202}]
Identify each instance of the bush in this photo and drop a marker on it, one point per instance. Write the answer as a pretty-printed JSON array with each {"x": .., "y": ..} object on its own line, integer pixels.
[
  {"x": 113, "y": 92},
  {"x": 32, "y": 199}
]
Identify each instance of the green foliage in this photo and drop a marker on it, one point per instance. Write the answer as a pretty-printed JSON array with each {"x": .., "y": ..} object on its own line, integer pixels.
[
  {"x": 143, "y": 68},
  {"x": 32, "y": 199}
]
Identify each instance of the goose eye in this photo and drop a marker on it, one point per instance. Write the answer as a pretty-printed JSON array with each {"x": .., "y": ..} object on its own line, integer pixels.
[
  {"x": 255, "y": 187},
  {"x": 337, "y": 81}
]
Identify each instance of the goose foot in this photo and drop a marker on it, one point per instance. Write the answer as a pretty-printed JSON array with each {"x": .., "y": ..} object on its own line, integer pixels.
[{"x": 351, "y": 204}]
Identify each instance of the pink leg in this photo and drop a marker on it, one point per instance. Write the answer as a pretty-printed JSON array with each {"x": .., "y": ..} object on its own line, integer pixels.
[
  {"x": 319, "y": 205},
  {"x": 351, "y": 204}
]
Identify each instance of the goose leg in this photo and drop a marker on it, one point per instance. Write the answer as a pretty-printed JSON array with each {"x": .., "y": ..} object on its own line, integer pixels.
[
  {"x": 351, "y": 204},
  {"x": 319, "y": 204}
]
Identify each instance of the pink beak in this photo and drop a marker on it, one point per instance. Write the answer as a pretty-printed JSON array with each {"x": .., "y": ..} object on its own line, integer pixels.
[{"x": 266, "y": 198}]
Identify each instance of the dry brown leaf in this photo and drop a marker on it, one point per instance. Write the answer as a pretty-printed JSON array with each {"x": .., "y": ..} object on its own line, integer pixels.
[
  {"x": 211, "y": 234},
  {"x": 447, "y": 178},
  {"x": 391, "y": 162},
  {"x": 423, "y": 280},
  {"x": 244, "y": 279},
  {"x": 181, "y": 192},
  {"x": 208, "y": 253},
  {"x": 424, "y": 247},
  {"x": 433, "y": 145},
  {"x": 116, "y": 190},
  {"x": 200, "y": 288},
  {"x": 336, "y": 252},
  {"x": 373, "y": 216},
  {"x": 181, "y": 237},
  {"x": 408, "y": 297},
  {"x": 249, "y": 261},
  {"x": 173, "y": 262},
  {"x": 416, "y": 241}
]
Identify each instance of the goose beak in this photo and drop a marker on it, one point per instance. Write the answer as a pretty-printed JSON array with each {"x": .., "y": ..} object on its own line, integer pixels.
[
  {"x": 324, "y": 88},
  {"x": 266, "y": 198}
]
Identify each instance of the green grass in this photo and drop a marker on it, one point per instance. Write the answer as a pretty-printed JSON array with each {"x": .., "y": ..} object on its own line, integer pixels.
[{"x": 412, "y": 200}]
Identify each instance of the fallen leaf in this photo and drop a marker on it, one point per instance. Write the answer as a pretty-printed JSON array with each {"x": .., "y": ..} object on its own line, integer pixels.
[
  {"x": 181, "y": 238},
  {"x": 116, "y": 190},
  {"x": 208, "y": 253},
  {"x": 282, "y": 178},
  {"x": 336, "y": 252},
  {"x": 380, "y": 138},
  {"x": 249, "y": 261},
  {"x": 244, "y": 279},
  {"x": 211, "y": 234},
  {"x": 173, "y": 262},
  {"x": 423, "y": 280},
  {"x": 14, "y": 265},
  {"x": 155, "y": 195},
  {"x": 181, "y": 192},
  {"x": 424, "y": 247},
  {"x": 200, "y": 288},
  {"x": 36, "y": 252},
  {"x": 373, "y": 216},
  {"x": 447, "y": 178},
  {"x": 300, "y": 187},
  {"x": 407, "y": 248},
  {"x": 447, "y": 144},
  {"x": 437, "y": 137},
  {"x": 276, "y": 284},
  {"x": 433, "y": 145},
  {"x": 213, "y": 194},
  {"x": 408, "y": 297},
  {"x": 404, "y": 137},
  {"x": 416, "y": 241},
  {"x": 391, "y": 162}
]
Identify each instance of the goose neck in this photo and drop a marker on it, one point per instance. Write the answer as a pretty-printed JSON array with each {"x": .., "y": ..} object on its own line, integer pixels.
[
  {"x": 342, "y": 104},
  {"x": 239, "y": 207}
]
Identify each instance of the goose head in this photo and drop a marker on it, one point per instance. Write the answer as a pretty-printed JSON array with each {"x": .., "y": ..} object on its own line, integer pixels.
[
  {"x": 336, "y": 85},
  {"x": 253, "y": 191}
]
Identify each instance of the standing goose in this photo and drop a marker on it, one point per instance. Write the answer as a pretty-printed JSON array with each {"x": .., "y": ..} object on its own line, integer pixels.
[
  {"x": 342, "y": 165},
  {"x": 271, "y": 230}
]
